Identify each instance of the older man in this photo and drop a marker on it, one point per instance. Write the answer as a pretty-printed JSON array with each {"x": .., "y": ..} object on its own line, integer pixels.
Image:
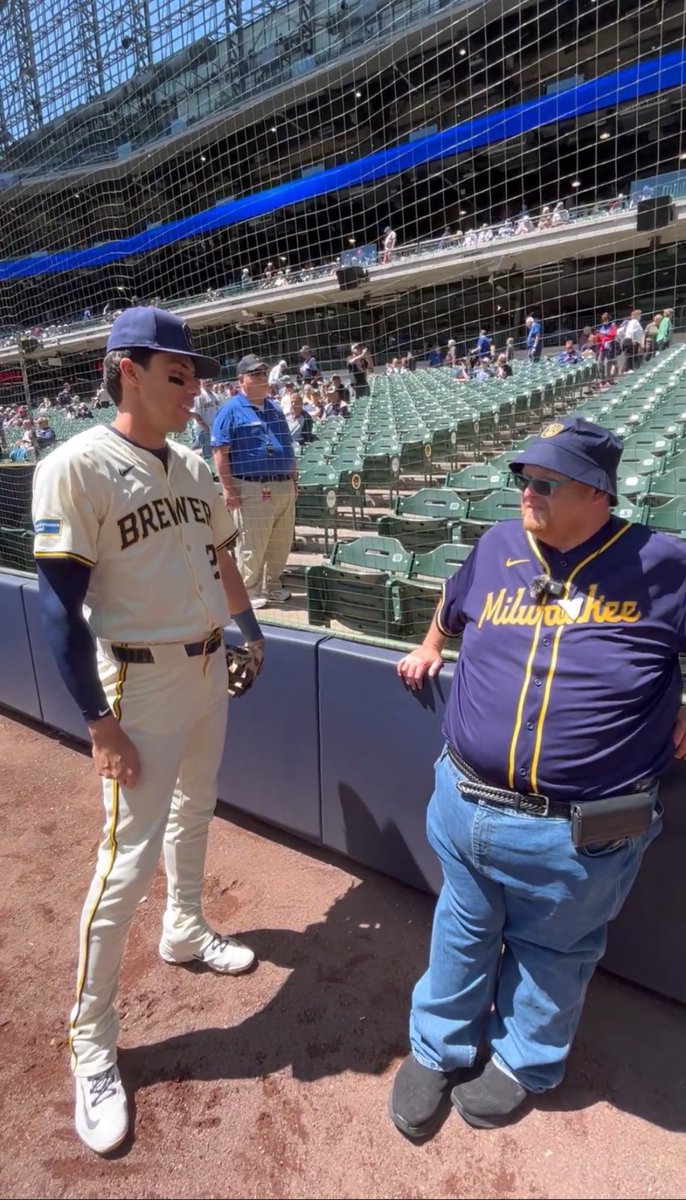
[
  {"x": 253, "y": 453},
  {"x": 563, "y": 714}
]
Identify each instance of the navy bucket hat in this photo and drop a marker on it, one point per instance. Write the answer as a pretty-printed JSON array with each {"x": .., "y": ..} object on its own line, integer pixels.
[{"x": 578, "y": 449}]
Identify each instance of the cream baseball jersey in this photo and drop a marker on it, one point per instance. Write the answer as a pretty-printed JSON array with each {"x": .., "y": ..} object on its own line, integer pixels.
[{"x": 150, "y": 535}]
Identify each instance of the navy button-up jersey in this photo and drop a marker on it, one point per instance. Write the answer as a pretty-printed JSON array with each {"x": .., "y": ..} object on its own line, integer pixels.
[
  {"x": 575, "y": 697},
  {"x": 258, "y": 439}
]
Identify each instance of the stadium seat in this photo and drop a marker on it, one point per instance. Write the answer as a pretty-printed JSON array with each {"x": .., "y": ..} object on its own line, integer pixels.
[
  {"x": 476, "y": 481},
  {"x": 440, "y": 563},
  {"x": 416, "y": 535},
  {"x": 669, "y": 517},
  {"x": 373, "y": 553},
  {"x": 499, "y": 506},
  {"x": 359, "y": 599}
]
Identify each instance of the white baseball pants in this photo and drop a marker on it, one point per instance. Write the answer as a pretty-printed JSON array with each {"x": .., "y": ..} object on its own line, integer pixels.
[{"x": 174, "y": 711}]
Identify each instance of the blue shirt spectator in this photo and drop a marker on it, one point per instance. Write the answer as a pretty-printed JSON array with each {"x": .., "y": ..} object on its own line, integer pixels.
[
  {"x": 569, "y": 355},
  {"x": 483, "y": 344},
  {"x": 534, "y": 340},
  {"x": 258, "y": 439}
]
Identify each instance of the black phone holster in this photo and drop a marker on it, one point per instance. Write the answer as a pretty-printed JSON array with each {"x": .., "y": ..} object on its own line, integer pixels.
[{"x": 612, "y": 820}]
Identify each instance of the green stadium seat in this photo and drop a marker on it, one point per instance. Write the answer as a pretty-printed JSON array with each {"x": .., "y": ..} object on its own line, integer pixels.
[
  {"x": 440, "y": 563},
  {"x": 499, "y": 506},
  {"x": 672, "y": 482},
  {"x": 361, "y": 600},
  {"x": 416, "y": 535},
  {"x": 373, "y": 553},
  {"x": 432, "y": 502},
  {"x": 669, "y": 517},
  {"x": 476, "y": 481}
]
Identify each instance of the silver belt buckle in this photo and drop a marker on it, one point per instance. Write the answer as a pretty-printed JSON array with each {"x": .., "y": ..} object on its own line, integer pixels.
[{"x": 534, "y": 803}]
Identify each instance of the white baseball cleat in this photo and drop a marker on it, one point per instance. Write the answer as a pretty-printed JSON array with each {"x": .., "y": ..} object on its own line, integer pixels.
[
  {"x": 259, "y": 602},
  {"x": 102, "y": 1113},
  {"x": 222, "y": 953}
]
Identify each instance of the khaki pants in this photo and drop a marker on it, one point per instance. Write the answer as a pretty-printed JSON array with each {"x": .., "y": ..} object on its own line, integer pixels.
[
  {"x": 266, "y": 521},
  {"x": 174, "y": 711}
]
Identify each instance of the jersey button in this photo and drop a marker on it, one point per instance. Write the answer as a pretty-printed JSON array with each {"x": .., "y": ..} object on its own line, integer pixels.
[
  {"x": 563, "y": 562},
  {"x": 522, "y": 770},
  {"x": 537, "y": 682},
  {"x": 546, "y": 641},
  {"x": 529, "y": 725}
]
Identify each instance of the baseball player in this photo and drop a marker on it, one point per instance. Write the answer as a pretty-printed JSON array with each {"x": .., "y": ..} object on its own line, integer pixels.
[
  {"x": 563, "y": 714},
  {"x": 131, "y": 526}
]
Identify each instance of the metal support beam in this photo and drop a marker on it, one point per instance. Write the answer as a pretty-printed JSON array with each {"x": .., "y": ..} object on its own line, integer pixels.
[
  {"x": 307, "y": 26},
  {"x": 91, "y": 50},
  {"x": 233, "y": 16},
  {"x": 27, "y": 73},
  {"x": 141, "y": 33}
]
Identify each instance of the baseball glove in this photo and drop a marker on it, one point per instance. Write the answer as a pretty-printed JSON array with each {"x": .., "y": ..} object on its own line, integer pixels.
[{"x": 244, "y": 664}]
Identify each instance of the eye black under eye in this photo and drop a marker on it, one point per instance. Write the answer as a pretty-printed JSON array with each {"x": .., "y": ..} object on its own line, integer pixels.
[{"x": 177, "y": 379}]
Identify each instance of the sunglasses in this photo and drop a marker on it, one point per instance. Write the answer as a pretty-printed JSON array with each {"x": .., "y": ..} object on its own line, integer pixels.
[{"x": 540, "y": 487}]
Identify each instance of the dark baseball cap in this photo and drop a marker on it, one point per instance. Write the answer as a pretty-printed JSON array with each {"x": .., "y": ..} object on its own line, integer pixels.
[
  {"x": 580, "y": 450},
  {"x": 250, "y": 363},
  {"x": 156, "y": 329}
]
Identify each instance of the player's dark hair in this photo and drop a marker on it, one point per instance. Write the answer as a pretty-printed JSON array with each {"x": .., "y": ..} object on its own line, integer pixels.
[{"x": 111, "y": 376}]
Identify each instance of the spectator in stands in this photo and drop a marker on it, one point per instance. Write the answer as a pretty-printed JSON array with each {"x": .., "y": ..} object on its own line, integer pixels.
[
  {"x": 287, "y": 395},
  {"x": 506, "y": 228},
  {"x": 650, "y": 337},
  {"x": 534, "y": 339},
  {"x": 560, "y": 215},
  {"x": 434, "y": 358},
  {"x": 630, "y": 337},
  {"x": 451, "y": 354},
  {"x": 245, "y": 277},
  {"x": 46, "y": 404},
  {"x": 337, "y": 398},
  {"x": 300, "y": 423},
  {"x": 45, "y": 434},
  {"x": 524, "y": 224},
  {"x": 278, "y": 375},
  {"x": 590, "y": 348},
  {"x": 256, "y": 466},
  {"x": 510, "y": 349},
  {"x": 309, "y": 368},
  {"x": 410, "y": 361},
  {"x": 445, "y": 240},
  {"x": 205, "y": 408},
  {"x": 360, "y": 363},
  {"x": 503, "y": 370},
  {"x": 483, "y": 345},
  {"x": 485, "y": 234},
  {"x": 607, "y": 346},
  {"x": 569, "y": 354},
  {"x": 545, "y": 221},
  {"x": 462, "y": 371},
  {"x": 28, "y": 435},
  {"x": 482, "y": 372},
  {"x": 390, "y": 240},
  {"x": 393, "y": 367},
  {"x": 664, "y": 332},
  {"x": 65, "y": 395},
  {"x": 646, "y": 193},
  {"x": 102, "y": 398}
]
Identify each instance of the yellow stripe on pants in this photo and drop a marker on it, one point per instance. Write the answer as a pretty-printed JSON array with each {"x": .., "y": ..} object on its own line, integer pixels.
[{"x": 112, "y": 840}]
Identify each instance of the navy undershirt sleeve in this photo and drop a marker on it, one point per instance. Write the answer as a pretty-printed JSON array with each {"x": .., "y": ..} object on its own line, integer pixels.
[{"x": 62, "y": 587}]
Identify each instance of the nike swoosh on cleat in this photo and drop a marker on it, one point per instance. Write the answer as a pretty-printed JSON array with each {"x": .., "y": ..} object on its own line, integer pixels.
[
  {"x": 125, "y": 470},
  {"x": 512, "y": 562}
]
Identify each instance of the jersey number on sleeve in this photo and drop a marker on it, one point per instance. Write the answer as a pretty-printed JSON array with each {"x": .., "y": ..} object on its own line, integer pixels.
[{"x": 212, "y": 555}]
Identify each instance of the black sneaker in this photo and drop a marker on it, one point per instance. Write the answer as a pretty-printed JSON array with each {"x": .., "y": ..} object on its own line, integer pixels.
[
  {"x": 417, "y": 1098},
  {"x": 490, "y": 1100}
]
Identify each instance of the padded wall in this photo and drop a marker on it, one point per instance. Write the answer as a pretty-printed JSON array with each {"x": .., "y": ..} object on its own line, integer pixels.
[
  {"x": 59, "y": 710},
  {"x": 18, "y": 687},
  {"x": 646, "y": 943},
  {"x": 379, "y": 742},
  {"x": 270, "y": 766}
]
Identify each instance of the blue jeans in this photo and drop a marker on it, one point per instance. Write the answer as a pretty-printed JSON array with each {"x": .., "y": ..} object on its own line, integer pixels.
[
  {"x": 519, "y": 927},
  {"x": 202, "y": 440}
]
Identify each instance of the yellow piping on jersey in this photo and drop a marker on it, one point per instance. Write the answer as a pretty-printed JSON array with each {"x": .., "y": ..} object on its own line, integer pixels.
[
  {"x": 63, "y": 554},
  {"x": 527, "y": 679},
  {"x": 553, "y": 658},
  {"x": 112, "y": 842}
]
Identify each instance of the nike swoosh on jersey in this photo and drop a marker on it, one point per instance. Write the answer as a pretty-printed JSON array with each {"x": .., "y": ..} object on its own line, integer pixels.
[
  {"x": 512, "y": 562},
  {"x": 125, "y": 470}
]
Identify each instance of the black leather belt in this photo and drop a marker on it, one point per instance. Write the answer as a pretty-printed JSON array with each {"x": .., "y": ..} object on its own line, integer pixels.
[
  {"x": 475, "y": 788},
  {"x": 145, "y": 654},
  {"x": 263, "y": 478}
]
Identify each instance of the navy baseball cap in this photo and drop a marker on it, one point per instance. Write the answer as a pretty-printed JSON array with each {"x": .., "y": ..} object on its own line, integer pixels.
[
  {"x": 250, "y": 363},
  {"x": 157, "y": 329},
  {"x": 578, "y": 449}
]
